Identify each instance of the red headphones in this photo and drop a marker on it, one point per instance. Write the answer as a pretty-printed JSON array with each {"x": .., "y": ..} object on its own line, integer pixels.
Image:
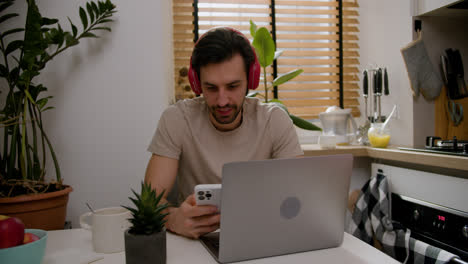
[{"x": 254, "y": 69}]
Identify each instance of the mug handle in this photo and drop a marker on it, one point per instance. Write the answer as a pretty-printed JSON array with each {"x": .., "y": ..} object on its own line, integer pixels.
[{"x": 83, "y": 223}]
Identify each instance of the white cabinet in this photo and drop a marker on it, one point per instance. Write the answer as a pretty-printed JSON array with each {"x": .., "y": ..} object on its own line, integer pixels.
[{"x": 438, "y": 8}]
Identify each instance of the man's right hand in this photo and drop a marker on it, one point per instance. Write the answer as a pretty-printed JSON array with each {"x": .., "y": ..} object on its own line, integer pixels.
[{"x": 192, "y": 221}]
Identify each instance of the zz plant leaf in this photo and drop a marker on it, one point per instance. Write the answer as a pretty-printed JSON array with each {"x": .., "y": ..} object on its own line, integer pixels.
[
  {"x": 90, "y": 12},
  {"x": 84, "y": 18},
  {"x": 7, "y": 16},
  {"x": 74, "y": 29}
]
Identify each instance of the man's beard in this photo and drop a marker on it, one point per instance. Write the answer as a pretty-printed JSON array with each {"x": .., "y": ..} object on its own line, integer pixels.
[{"x": 235, "y": 110}]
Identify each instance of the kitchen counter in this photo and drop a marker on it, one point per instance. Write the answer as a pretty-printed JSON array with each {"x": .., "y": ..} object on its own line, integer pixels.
[{"x": 392, "y": 153}]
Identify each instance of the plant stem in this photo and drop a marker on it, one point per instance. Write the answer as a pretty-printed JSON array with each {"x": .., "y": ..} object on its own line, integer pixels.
[
  {"x": 4, "y": 158},
  {"x": 34, "y": 146},
  {"x": 54, "y": 157},
  {"x": 12, "y": 161},
  {"x": 265, "y": 83},
  {"x": 29, "y": 170},
  {"x": 39, "y": 121},
  {"x": 23, "y": 140}
]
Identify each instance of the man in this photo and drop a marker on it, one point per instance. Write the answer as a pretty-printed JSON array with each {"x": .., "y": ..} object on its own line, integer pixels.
[{"x": 196, "y": 137}]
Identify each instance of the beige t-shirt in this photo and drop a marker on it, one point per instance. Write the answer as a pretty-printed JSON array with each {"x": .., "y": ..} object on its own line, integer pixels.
[{"x": 186, "y": 133}]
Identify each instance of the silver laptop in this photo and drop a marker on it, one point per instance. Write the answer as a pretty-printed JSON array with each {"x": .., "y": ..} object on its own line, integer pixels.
[{"x": 281, "y": 206}]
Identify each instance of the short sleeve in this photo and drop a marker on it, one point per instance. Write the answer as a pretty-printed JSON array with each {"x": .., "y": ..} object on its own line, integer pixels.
[
  {"x": 283, "y": 135},
  {"x": 167, "y": 140}
]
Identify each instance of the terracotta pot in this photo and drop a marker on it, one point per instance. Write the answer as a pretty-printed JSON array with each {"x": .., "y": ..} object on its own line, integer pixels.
[{"x": 45, "y": 211}]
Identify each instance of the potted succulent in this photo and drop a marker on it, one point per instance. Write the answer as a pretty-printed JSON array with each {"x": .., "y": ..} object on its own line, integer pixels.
[
  {"x": 145, "y": 240},
  {"x": 25, "y": 146},
  {"x": 266, "y": 52}
]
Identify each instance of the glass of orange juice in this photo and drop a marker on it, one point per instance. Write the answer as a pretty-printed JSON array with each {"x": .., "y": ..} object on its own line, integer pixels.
[{"x": 378, "y": 138}]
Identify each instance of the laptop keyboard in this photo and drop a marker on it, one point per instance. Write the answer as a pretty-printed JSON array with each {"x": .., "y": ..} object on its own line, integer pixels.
[{"x": 211, "y": 242}]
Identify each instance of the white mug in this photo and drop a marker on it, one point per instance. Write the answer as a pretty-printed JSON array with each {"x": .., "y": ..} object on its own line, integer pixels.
[{"x": 107, "y": 228}]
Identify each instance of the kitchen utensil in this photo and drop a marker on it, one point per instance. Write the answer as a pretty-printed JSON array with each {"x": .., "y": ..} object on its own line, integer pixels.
[
  {"x": 335, "y": 122},
  {"x": 388, "y": 119},
  {"x": 454, "y": 71},
  {"x": 386, "y": 88},
  {"x": 362, "y": 130},
  {"x": 374, "y": 90},
  {"x": 460, "y": 73},
  {"x": 444, "y": 126},
  {"x": 455, "y": 112},
  {"x": 451, "y": 65},
  {"x": 379, "y": 93},
  {"x": 365, "y": 92},
  {"x": 91, "y": 209},
  {"x": 421, "y": 73},
  {"x": 444, "y": 65}
]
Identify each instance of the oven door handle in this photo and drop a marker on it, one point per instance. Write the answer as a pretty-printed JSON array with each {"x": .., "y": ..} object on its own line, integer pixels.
[{"x": 457, "y": 261}]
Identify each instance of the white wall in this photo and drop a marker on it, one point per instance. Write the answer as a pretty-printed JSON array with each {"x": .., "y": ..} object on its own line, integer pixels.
[
  {"x": 385, "y": 27},
  {"x": 109, "y": 95}
]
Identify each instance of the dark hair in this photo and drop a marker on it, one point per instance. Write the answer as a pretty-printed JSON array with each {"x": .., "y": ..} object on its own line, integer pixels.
[{"x": 221, "y": 44}]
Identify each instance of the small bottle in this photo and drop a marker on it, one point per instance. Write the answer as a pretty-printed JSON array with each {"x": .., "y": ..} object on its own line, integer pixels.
[{"x": 378, "y": 138}]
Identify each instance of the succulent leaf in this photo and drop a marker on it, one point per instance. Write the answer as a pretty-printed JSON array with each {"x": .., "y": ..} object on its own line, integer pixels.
[{"x": 148, "y": 217}]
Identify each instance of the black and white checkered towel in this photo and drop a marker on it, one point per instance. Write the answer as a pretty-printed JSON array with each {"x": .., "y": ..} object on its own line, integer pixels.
[{"x": 371, "y": 219}]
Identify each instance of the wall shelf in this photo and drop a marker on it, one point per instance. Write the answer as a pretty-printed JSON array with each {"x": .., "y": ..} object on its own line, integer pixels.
[{"x": 440, "y": 8}]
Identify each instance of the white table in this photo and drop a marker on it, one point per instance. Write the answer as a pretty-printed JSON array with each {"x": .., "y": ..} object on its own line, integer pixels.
[{"x": 74, "y": 245}]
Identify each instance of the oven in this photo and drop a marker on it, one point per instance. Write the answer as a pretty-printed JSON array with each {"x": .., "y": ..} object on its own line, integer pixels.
[{"x": 433, "y": 206}]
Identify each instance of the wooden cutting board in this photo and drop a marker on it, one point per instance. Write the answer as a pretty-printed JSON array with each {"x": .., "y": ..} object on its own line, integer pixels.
[{"x": 444, "y": 127}]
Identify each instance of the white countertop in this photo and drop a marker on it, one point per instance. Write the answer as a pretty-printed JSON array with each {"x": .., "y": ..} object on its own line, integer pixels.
[
  {"x": 393, "y": 153},
  {"x": 74, "y": 246}
]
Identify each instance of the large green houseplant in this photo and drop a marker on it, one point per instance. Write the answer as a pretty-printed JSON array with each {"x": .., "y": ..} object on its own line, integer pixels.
[
  {"x": 25, "y": 52},
  {"x": 266, "y": 51}
]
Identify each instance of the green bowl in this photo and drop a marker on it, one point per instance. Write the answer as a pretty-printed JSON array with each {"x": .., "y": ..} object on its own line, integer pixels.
[{"x": 31, "y": 253}]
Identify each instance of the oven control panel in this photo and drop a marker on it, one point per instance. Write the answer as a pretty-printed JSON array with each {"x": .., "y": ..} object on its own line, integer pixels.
[{"x": 447, "y": 227}]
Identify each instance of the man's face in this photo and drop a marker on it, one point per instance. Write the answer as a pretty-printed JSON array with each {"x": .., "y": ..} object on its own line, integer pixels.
[{"x": 224, "y": 87}]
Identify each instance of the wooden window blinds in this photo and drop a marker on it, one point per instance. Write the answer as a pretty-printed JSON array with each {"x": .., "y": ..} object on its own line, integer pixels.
[{"x": 309, "y": 33}]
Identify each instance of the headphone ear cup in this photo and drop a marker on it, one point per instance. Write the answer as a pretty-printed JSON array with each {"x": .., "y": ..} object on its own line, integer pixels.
[
  {"x": 194, "y": 80},
  {"x": 254, "y": 73}
]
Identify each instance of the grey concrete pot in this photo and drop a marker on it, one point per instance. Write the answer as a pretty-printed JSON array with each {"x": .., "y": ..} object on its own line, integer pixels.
[{"x": 142, "y": 249}]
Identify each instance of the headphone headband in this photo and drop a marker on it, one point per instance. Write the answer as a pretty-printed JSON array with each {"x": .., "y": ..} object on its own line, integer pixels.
[{"x": 254, "y": 67}]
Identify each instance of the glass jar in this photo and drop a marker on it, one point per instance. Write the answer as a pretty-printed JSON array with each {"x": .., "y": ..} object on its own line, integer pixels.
[{"x": 378, "y": 138}]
